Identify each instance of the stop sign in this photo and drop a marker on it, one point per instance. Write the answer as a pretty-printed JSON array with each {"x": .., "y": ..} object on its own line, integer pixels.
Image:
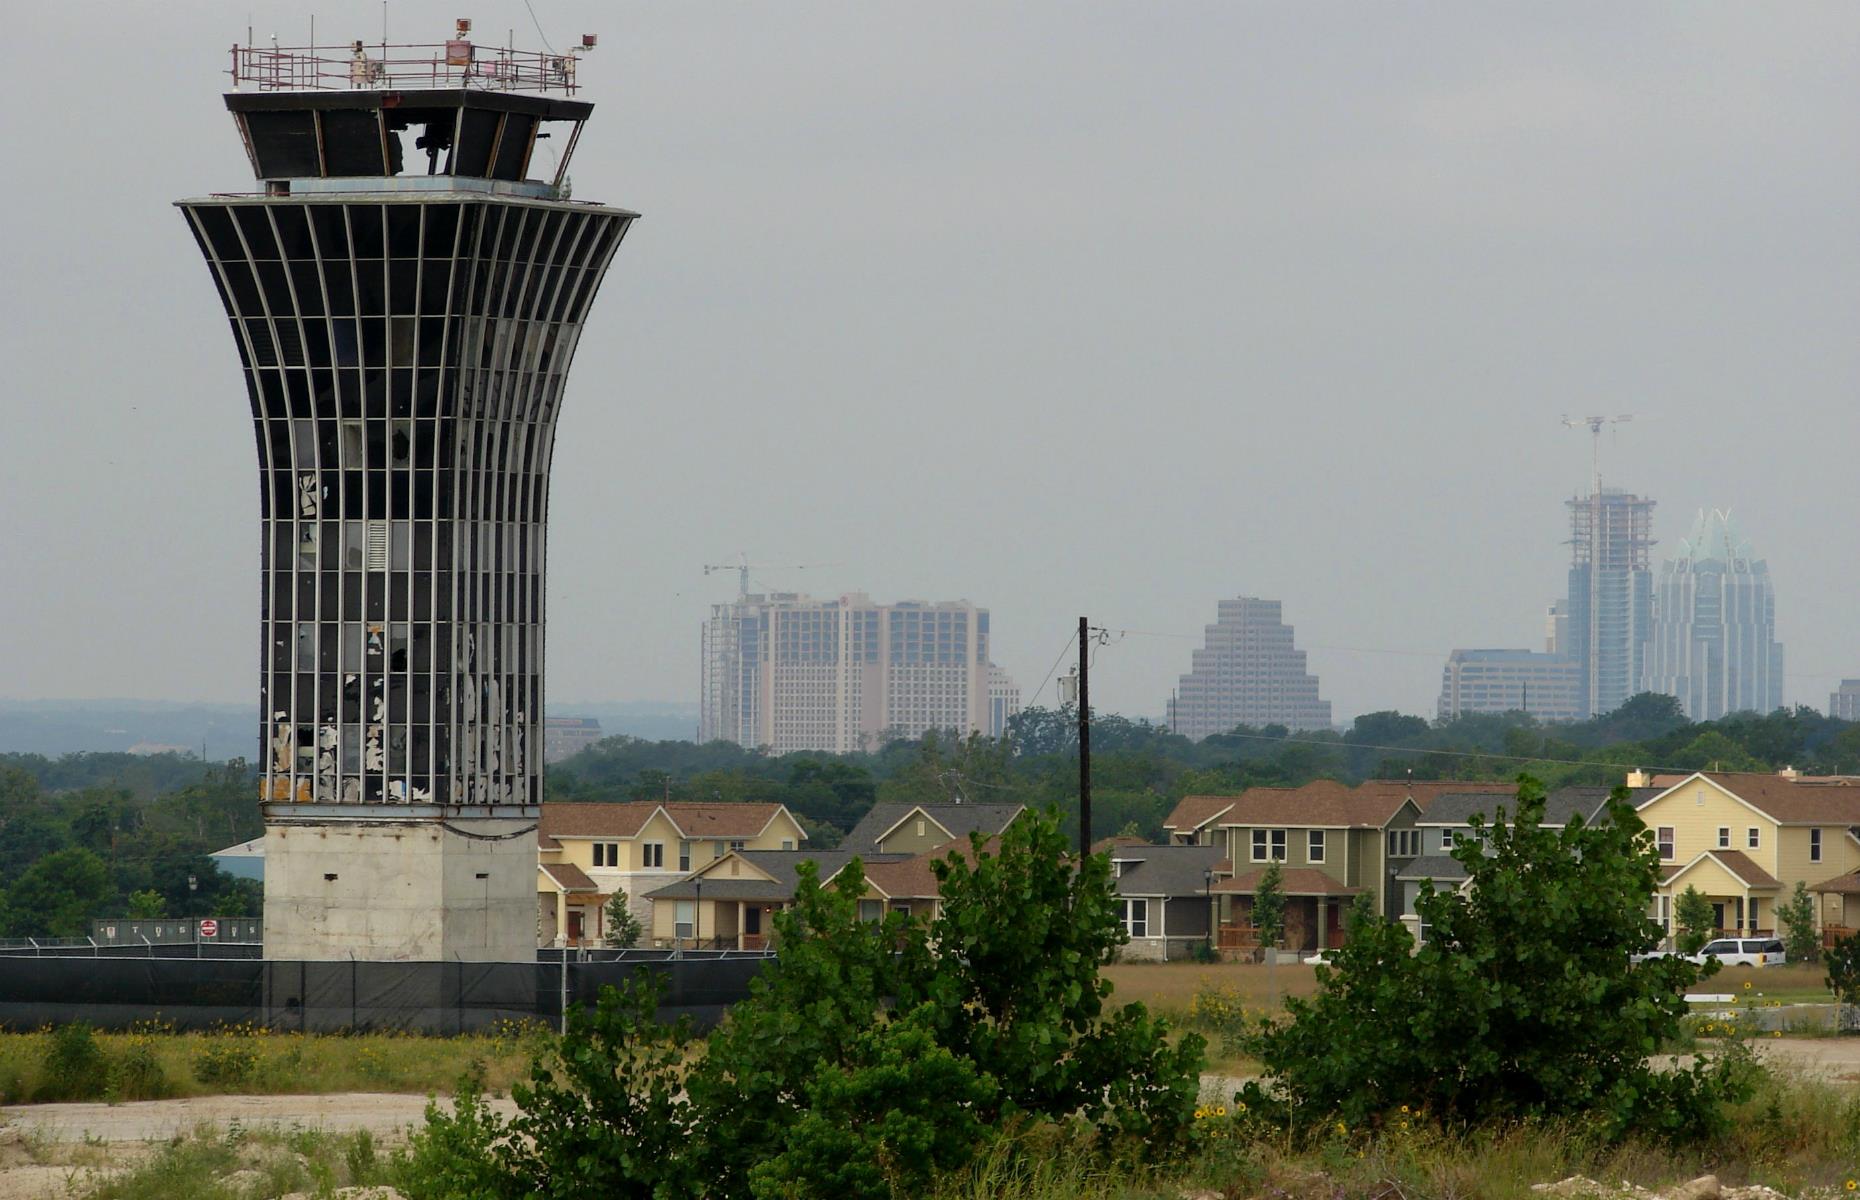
[{"x": 209, "y": 928}]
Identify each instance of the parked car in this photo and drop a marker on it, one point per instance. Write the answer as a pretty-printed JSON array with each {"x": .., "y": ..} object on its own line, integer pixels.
[{"x": 1744, "y": 952}]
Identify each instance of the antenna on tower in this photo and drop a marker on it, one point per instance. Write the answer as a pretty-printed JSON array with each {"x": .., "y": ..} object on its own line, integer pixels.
[{"x": 1595, "y": 453}]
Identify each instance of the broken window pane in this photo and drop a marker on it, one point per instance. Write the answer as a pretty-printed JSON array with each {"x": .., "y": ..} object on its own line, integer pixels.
[{"x": 306, "y": 646}]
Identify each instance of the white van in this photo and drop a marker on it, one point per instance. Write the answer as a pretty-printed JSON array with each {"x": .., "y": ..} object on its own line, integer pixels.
[{"x": 1744, "y": 952}]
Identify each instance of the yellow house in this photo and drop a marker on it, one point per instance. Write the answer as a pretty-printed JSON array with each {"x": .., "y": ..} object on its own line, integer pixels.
[
  {"x": 1745, "y": 840},
  {"x": 587, "y": 852}
]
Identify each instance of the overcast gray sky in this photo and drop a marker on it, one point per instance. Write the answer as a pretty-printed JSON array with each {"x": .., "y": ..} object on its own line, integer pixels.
[{"x": 1064, "y": 308}]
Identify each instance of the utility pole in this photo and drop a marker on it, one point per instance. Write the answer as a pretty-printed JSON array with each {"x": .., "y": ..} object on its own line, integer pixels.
[{"x": 1084, "y": 739}]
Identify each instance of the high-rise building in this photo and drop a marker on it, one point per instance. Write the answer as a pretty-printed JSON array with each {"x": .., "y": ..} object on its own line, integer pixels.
[
  {"x": 1844, "y": 702},
  {"x": 1556, "y": 627},
  {"x": 1247, "y": 673},
  {"x": 1713, "y": 642},
  {"x": 1003, "y": 701},
  {"x": 565, "y": 737},
  {"x": 405, "y": 297},
  {"x": 1610, "y": 603},
  {"x": 790, "y": 672},
  {"x": 1502, "y": 681}
]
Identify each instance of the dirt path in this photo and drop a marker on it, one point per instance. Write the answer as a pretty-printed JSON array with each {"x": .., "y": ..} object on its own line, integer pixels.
[{"x": 382, "y": 1114}]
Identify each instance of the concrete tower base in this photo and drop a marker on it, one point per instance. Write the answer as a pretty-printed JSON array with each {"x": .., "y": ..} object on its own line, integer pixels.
[{"x": 401, "y": 891}]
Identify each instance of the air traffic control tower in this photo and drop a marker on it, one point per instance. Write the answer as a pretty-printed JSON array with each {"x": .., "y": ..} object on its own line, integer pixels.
[{"x": 406, "y": 285}]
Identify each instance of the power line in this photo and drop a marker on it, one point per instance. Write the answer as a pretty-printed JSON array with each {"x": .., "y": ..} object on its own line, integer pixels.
[
  {"x": 1073, "y": 637},
  {"x": 539, "y": 28}
]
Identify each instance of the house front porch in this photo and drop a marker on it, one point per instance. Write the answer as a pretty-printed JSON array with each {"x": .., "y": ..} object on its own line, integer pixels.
[{"x": 1315, "y": 905}]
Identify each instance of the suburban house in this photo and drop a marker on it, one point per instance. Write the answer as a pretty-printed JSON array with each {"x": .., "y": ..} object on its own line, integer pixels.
[
  {"x": 587, "y": 852},
  {"x": 1333, "y": 842},
  {"x": 1448, "y": 822},
  {"x": 1195, "y": 820},
  {"x": 1163, "y": 891},
  {"x": 1745, "y": 840},
  {"x": 730, "y": 903}
]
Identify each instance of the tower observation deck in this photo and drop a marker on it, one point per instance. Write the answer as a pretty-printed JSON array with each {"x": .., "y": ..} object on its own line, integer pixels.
[{"x": 405, "y": 286}]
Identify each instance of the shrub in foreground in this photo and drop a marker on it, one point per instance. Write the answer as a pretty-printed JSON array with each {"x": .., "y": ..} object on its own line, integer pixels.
[{"x": 1523, "y": 1003}]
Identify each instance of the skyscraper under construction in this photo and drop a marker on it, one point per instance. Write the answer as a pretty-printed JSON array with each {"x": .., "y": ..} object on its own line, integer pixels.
[{"x": 406, "y": 290}]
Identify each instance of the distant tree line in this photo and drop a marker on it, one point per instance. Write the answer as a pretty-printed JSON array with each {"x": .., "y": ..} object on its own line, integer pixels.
[
  {"x": 127, "y": 831},
  {"x": 98, "y": 835}
]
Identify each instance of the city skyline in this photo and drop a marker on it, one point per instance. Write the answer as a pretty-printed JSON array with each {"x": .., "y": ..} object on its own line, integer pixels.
[{"x": 1360, "y": 280}]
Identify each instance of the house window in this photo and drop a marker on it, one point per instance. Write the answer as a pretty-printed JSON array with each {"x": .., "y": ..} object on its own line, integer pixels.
[
  {"x": 1446, "y": 839},
  {"x": 652, "y": 854},
  {"x": 1664, "y": 838},
  {"x": 1137, "y": 918},
  {"x": 607, "y": 854},
  {"x": 737, "y": 845},
  {"x": 1754, "y": 836},
  {"x": 787, "y": 843},
  {"x": 1814, "y": 845},
  {"x": 684, "y": 856},
  {"x": 1268, "y": 843},
  {"x": 1724, "y": 837},
  {"x": 871, "y": 910},
  {"x": 1314, "y": 846},
  {"x": 1404, "y": 843},
  {"x": 686, "y": 918}
]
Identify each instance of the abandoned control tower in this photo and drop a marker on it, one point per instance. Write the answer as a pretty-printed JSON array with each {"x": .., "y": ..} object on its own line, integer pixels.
[{"x": 405, "y": 297}]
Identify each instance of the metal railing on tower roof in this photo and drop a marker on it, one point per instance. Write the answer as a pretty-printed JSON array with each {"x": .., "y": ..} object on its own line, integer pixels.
[{"x": 458, "y": 62}]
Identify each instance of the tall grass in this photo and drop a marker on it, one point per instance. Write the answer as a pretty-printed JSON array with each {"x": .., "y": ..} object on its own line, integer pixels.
[{"x": 152, "y": 1062}]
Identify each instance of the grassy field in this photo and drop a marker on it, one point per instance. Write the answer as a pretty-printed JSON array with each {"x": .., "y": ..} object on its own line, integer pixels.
[
  {"x": 154, "y": 1063},
  {"x": 1171, "y": 987},
  {"x": 1791, "y": 984}
]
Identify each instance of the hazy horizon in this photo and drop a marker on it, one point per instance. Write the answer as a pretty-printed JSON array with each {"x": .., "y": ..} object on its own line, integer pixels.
[{"x": 1101, "y": 309}]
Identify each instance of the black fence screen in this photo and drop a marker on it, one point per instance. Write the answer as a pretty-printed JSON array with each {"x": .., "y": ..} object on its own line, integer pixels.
[{"x": 329, "y": 997}]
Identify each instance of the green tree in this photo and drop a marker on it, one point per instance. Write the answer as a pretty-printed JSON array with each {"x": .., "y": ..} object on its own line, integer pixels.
[
  {"x": 147, "y": 905},
  {"x": 1801, "y": 940},
  {"x": 1525, "y": 1002},
  {"x": 623, "y": 928},
  {"x": 1015, "y": 987},
  {"x": 808, "y": 1012},
  {"x": 1269, "y": 906},
  {"x": 59, "y": 894},
  {"x": 610, "y": 1117},
  {"x": 1843, "y": 964},
  {"x": 1695, "y": 919}
]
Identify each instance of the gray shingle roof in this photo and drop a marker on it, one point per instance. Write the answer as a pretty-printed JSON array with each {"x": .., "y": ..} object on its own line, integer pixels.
[
  {"x": 1454, "y": 809},
  {"x": 960, "y": 819},
  {"x": 1433, "y": 866},
  {"x": 1165, "y": 870}
]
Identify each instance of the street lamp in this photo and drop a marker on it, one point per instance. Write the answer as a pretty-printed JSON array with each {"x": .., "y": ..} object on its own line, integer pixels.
[{"x": 1207, "y": 889}]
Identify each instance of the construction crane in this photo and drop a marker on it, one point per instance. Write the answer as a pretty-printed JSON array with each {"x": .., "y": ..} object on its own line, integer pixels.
[
  {"x": 1595, "y": 430},
  {"x": 742, "y": 566}
]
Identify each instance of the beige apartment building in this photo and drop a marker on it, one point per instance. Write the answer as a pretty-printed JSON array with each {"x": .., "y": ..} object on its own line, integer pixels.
[{"x": 790, "y": 672}]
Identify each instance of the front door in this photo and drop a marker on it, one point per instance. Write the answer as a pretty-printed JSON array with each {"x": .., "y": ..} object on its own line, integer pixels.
[
  {"x": 1717, "y": 916},
  {"x": 752, "y": 920},
  {"x": 574, "y": 925}
]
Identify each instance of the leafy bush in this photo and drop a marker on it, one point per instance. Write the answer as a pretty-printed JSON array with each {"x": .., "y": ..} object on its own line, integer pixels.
[
  {"x": 1523, "y": 1004},
  {"x": 1015, "y": 987},
  {"x": 454, "y": 1155},
  {"x": 885, "y": 1123},
  {"x": 615, "y": 1121},
  {"x": 74, "y": 1067},
  {"x": 135, "y": 1072}
]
